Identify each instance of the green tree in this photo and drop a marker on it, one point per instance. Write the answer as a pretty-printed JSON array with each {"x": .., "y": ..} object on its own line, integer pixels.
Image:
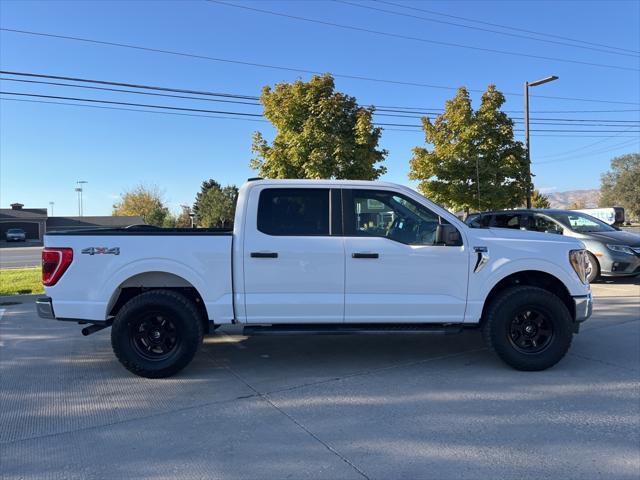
[
  {"x": 170, "y": 221},
  {"x": 146, "y": 202},
  {"x": 621, "y": 185},
  {"x": 538, "y": 200},
  {"x": 475, "y": 162},
  {"x": 215, "y": 206},
  {"x": 320, "y": 133}
]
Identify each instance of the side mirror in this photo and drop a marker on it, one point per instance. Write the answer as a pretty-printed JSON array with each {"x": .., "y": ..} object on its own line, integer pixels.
[
  {"x": 448, "y": 235},
  {"x": 554, "y": 229}
]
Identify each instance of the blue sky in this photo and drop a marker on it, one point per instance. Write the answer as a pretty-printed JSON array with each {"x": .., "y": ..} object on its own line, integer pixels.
[{"x": 45, "y": 148}]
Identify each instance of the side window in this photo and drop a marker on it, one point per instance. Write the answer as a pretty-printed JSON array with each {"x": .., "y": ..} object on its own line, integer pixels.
[
  {"x": 540, "y": 223},
  {"x": 378, "y": 213},
  {"x": 294, "y": 211},
  {"x": 508, "y": 220}
]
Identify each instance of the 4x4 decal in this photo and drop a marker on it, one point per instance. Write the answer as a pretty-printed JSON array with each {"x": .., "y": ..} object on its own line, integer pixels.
[{"x": 101, "y": 251}]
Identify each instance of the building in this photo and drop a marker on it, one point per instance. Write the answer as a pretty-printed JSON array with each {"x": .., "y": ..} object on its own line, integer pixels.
[
  {"x": 32, "y": 220},
  {"x": 35, "y": 221}
]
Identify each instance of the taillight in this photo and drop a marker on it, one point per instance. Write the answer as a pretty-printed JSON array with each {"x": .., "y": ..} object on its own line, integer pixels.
[{"x": 55, "y": 262}]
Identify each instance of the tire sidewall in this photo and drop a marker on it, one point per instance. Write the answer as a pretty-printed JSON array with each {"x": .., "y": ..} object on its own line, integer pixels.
[
  {"x": 175, "y": 307},
  {"x": 595, "y": 268}
]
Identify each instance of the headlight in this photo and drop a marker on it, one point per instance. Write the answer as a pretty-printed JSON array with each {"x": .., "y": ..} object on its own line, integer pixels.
[
  {"x": 621, "y": 249},
  {"x": 578, "y": 260}
]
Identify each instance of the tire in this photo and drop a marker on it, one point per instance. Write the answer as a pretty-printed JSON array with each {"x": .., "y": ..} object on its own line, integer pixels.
[
  {"x": 594, "y": 274},
  {"x": 157, "y": 333},
  {"x": 529, "y": 328}
]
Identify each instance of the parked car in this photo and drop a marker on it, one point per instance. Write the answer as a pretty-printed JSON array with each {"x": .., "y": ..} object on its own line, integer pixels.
[
  {"x": 16, "y": 235},
  {"x": 330, "y": 257},
  {"x": 611, "y": 252},
  {"x": 609, "y": 215}
]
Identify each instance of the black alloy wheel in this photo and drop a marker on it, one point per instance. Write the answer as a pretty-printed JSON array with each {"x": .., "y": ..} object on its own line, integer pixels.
[
  {"x": 154, "y": 336},
  {"x": 530, "y": 331}
]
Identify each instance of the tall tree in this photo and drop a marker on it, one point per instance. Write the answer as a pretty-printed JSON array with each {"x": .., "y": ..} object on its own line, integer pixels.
[
  {"x": 621, "y": 185},
  {"x": 475, "y": 162},
  {"x": 320, "y": 133},
  {"x": 215, "y": 206},
  {"x": 184, "y": 219},
  {"x": 538, "y": 200},
  {"x": 146, "y": 202}
]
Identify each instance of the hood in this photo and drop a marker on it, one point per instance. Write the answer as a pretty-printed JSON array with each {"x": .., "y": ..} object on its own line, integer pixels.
[
  {"x": 513, "y": 235},
  {"x": 615, "y": 238}
]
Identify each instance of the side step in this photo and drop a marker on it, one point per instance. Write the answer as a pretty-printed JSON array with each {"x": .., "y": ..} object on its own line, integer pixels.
[{"x": 351, "y": 329}]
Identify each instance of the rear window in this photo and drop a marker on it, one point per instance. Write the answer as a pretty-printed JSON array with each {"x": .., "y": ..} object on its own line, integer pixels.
[{"x": 294, "y": 211}]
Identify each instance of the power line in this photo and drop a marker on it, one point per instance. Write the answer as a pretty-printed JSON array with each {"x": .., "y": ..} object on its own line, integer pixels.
[
  {"x": 406, "y": 112},
  {"x": 133, "y": 110},
  {"x": 535, "y": 121},
  {"x": 145, "y": 105},
  {"x": 420, "y": 39},
  {"x": 291, "y": 69},
  {"x": 187, "y": 97},
  {"x": 555, "y": 135},
  {"x": 130, "y": 85},
  {"x": 506, "y": 27},
  {"x": 569, "y": 152},
  {"x": 470, "y": 27},
  {"x": 541, "y": 121},
  {"x": 254, "y": 115},
  {"x": 544, "y": 121},
  {"x": 420, "y": 109},
  {"x": 611, "y": 148}
]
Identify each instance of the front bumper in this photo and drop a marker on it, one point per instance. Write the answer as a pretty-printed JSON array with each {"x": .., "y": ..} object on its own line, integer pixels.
[
  {"x": 583, "y": 307},
  {"x": 45, "y": 308},
  {"x": 616, "y": 264}
]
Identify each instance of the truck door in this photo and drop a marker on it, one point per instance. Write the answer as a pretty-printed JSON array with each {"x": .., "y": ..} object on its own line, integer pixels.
[
  {"x": 394, "y": 271},
  {"x": 294, "y": 256}
]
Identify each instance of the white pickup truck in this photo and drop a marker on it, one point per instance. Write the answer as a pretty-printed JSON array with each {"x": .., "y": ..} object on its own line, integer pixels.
[{"x": 312, "y": 256}]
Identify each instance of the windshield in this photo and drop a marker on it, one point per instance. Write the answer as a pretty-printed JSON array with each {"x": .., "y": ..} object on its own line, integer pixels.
[
  {"x": 581, "y": 222},
  {"x": 15, "y": 230}
]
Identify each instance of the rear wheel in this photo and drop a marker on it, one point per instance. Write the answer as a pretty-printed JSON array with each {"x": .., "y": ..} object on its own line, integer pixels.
[
  {"x": 593, "y": 268},
  {"x": 528, "y": 328},
  {"x": 157, "y": 333}
]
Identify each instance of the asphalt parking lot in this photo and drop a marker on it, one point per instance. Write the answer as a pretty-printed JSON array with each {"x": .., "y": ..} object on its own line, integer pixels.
[{"x": 404, "y": 406}]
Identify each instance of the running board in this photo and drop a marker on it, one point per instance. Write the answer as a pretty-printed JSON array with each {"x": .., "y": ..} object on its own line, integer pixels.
[{"x": 351, "y": 329}]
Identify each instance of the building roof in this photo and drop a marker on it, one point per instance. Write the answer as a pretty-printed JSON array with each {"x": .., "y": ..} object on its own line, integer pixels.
[
  {"x": 92, "y": 222},
  {"x": 23, "y": 214}
]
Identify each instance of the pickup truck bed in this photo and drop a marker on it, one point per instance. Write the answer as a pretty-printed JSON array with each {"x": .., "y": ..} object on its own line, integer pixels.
[{"x": 108, "y": 262}]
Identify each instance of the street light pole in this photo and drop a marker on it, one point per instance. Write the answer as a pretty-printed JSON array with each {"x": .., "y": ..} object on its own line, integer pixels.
[
  {"x": 80, "y": 200},
  {"x": 51, "y": 205},
  {"x": 526, "y": 130}
]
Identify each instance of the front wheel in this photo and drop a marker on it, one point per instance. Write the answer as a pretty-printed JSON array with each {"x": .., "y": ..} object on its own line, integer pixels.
[
  {"x": 529, "y": 328},
  {"x": 157, "y": 333},
  {"x": 593, "y": 268}
]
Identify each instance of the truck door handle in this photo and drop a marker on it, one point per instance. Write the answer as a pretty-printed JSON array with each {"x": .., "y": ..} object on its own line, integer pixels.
[
  {"x": 264, "y": 255},
  {"x": 364, "y": 255}
]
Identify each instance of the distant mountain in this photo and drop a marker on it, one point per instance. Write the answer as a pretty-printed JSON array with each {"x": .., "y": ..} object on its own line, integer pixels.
[{"x": 588, "y": 198}]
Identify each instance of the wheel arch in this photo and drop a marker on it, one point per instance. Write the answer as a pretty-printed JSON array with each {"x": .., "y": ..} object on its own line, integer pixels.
[
  {"x": 156, "y": 280},
  {"x": 533, "y": 278}
]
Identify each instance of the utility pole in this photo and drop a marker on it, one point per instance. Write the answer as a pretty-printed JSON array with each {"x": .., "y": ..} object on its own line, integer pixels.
[
  {"x": 51, "y": 205},
  {"x": 526, "y": 130},
  {"x": 80, "y": 200}
]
